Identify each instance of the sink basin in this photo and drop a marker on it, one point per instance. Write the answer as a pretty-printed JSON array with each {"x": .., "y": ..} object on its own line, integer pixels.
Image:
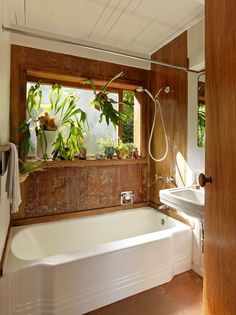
[{"x": 188, "y": 200}]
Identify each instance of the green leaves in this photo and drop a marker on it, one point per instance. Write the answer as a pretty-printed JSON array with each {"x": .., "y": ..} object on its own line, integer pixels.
[
  {"x": 33, "y": 100},
  {"x": 55, "y": 93},
  {"x": 117, "y": 76},
  {"x": 66, "y": 147},
  {"x": 24, "y": 129},
  {"x": 105, "y": 104},
  {"x": 201, "y": 125},
  {"x": 69, "y": 116}
]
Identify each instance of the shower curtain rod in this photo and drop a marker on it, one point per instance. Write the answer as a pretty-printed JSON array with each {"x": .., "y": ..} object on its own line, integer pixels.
[{"x": 65, "y": 41}]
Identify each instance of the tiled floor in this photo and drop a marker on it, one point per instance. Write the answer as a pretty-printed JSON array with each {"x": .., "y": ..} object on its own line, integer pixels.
[{"x": 181, "y": 296}]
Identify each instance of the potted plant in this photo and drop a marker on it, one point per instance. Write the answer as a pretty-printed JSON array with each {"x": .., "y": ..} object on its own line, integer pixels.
[
  {"x": 107, "y": 147},
  {"x": 130, "y": 147},
  {"x": 70, "y": 124},
  {"x": 46, "y": 136},
  {"x": 121, "y": 149},
  {"x": 104, "y": 103},
  {"x": 59, "y": 125},
  {"x": 29, "y": 166},
  {"x": 83, "y": 153}
]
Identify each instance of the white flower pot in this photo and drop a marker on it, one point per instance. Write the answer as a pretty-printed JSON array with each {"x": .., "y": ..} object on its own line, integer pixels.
[{"x": 45, "y": 146}]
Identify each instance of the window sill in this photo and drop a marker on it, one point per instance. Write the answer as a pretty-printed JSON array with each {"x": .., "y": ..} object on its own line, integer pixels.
[{"x": 87, "y": 163}]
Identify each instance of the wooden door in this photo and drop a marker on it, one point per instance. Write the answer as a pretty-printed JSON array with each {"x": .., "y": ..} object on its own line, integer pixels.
[{"x": 220, "y": 234}]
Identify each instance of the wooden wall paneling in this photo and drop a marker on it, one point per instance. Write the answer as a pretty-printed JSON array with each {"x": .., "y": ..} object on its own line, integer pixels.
[
  {"x": 17, "y": 93},
  {"x": 220, "y": 216},
  {"x": 174, "y": 107}
]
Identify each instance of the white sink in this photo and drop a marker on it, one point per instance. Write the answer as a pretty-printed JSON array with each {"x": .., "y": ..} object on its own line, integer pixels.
[{"x": 188, "y": 200}]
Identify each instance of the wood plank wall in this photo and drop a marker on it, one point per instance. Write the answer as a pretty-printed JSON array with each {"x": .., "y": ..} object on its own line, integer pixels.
[
  {"x": 174, "y": 107},
  {"x": 65, "y": 190},
  {"x": 220, "y": 216}
]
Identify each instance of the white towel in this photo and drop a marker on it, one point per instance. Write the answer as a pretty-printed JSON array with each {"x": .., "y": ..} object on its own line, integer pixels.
[{"x": 12, "y": 182}]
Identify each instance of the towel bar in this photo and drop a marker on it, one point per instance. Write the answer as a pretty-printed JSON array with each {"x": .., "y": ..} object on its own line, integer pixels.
[{"x": 4, "y": 156}]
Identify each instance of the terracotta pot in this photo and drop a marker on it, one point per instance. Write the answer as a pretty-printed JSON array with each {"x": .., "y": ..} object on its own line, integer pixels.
[
  {"x": 121, "y": 154},
  {"x": 83, "y": 154}
]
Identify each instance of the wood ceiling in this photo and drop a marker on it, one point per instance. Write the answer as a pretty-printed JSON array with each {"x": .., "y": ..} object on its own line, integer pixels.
[{"x": 136, "y": 26}]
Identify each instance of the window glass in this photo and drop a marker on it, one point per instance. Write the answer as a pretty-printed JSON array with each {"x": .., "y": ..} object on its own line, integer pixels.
[{"x": 96, "y": 130}]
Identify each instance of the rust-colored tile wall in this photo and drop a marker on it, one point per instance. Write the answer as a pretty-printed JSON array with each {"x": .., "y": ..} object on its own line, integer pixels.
[{"x": 75, "y": 188}]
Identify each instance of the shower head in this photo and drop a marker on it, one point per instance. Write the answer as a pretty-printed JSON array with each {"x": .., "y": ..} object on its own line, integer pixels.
[
  {"x": 140, "y": 89},
  {"x": 166, "y": 89}
]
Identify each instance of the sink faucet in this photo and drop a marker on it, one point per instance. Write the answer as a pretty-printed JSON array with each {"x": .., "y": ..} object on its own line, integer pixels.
[
  {"x": 166, "y": 179},
  {"x": 172, "y": 180}
]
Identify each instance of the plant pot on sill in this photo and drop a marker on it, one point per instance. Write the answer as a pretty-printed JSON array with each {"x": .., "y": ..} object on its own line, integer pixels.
[
  {"x": 83, "y": 154},
  {"x": 45, "y": 142},
  {"x": 109, "y": 151},
  {"x": 121, "y": 154}
]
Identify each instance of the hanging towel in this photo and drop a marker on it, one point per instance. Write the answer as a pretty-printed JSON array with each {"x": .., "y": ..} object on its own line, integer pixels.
[{"x": 12, "y": 181}]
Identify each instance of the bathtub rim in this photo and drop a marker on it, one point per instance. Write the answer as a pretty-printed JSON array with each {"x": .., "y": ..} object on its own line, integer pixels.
[{"x": 98, "y": 250}]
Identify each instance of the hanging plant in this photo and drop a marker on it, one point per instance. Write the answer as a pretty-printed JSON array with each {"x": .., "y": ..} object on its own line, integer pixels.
[{"x": 105, "y": 104}]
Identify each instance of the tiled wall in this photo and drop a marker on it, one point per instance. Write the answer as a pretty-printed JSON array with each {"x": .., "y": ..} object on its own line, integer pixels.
[{"x": 70, "y": 189}]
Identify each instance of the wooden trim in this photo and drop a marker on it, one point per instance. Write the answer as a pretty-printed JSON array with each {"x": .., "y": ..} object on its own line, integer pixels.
[
  {"x": 63, "y": 216},
  {"x": 5, "y": 250},
  {"x": 78, "y": 85},
  {"x": 39, "y": 75},
  {"x": 92, "y": 163}
]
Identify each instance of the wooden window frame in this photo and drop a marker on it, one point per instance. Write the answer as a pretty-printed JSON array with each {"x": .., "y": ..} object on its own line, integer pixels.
[
  {"x": 29, "y": 64},
  {"x": 79, "y": 85}
]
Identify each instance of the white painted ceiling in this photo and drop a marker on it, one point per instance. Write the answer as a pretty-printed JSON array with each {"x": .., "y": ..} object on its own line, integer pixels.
[{"x": 136, "y": 26}]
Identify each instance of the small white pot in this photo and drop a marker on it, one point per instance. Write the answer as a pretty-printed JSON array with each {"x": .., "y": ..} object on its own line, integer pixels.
[{"x": 45, "y": 148}]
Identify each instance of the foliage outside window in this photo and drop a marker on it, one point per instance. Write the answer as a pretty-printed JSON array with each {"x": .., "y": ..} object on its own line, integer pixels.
[
  {"x": 201, "y": 125},
  {"x": 128, "y": 110},
  {"x": 201, "y": 112}
]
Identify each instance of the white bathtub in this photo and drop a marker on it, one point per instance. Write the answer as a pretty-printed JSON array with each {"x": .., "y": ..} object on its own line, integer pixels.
[{"x": 74, "y": 266}]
